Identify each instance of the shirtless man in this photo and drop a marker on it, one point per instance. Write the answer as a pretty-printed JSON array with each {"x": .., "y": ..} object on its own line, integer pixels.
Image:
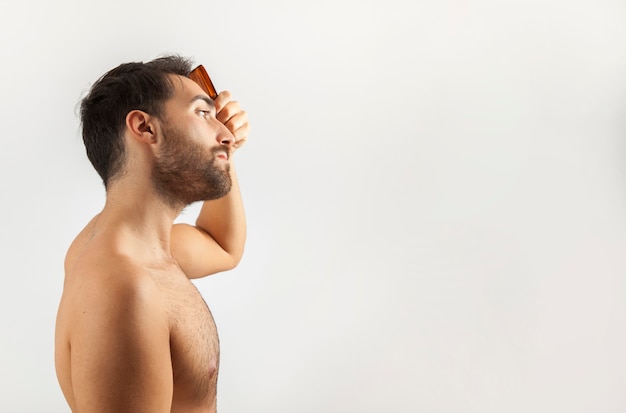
[{"x": 133, "y": 334}]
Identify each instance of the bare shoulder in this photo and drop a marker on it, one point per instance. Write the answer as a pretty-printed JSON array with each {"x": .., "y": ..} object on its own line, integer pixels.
[
  {"x": 102, "y": 278},
  {"x": 107, "y": 294}
]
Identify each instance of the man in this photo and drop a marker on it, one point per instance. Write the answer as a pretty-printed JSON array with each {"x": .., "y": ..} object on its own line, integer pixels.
[{"x": 133, "y": 334}]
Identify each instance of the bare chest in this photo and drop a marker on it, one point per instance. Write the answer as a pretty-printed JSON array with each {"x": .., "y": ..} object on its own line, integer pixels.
[{"x": 194, "y": 343}]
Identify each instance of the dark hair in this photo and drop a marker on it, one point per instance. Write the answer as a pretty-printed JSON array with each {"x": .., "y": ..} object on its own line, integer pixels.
[{"x": 128, "y": 87}]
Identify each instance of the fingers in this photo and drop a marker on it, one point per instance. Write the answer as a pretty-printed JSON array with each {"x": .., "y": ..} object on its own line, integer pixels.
[
  {"x": 226, "y": 108},
  {"x": 221, "y": 100},
  {"x": 241, "y": 135},
  {"x": 233, "y": 117}
]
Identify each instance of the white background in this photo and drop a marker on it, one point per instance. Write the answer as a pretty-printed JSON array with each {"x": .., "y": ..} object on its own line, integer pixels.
[{"x": 435, "y": 190}]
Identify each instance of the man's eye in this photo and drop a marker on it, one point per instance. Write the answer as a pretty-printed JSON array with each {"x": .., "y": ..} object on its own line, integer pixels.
[{"x": 204, "y": 113}]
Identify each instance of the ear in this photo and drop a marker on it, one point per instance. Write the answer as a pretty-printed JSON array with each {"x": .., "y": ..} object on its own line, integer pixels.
[{"x": 141, "y": 126}]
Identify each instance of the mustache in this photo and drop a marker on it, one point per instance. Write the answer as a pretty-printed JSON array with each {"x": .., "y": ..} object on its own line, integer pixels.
[{"x": 223, "y": 148}]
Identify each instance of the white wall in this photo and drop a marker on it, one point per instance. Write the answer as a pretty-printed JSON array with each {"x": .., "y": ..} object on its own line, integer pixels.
[{"x": 436, "y": 195}]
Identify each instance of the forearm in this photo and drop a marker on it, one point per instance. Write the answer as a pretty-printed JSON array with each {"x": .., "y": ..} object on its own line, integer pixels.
[{"x": 224, "y": 220}]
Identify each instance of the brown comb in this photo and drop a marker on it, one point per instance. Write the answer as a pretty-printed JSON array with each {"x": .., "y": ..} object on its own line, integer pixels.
[{"x": 201, "y": 77}]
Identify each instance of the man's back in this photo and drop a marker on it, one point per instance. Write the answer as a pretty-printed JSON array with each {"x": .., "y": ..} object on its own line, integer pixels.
[{"x": 133, "y": 332}]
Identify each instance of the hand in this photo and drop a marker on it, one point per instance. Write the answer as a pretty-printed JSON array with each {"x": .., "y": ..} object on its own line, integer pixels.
[{"x": 230, "y": 114}]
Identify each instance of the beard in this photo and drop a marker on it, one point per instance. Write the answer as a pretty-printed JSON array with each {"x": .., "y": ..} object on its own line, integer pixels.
[{"x": 185, "y": 172}]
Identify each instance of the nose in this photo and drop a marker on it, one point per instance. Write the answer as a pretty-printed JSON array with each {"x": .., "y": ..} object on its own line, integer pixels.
[{"x": 225, "y": 137}]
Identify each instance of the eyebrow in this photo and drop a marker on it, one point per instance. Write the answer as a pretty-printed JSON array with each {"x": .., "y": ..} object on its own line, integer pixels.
[{"x": 205, "y": 98}]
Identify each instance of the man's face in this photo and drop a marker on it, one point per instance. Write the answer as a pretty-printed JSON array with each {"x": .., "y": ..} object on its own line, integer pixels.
[{"x": 193, "y": 161}]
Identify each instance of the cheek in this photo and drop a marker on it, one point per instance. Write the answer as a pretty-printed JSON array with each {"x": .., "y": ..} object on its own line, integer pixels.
[{"x": 196, "y": 130}]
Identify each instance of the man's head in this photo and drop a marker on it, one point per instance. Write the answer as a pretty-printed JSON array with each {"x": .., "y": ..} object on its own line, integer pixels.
[{"x": 160, "y": 90}]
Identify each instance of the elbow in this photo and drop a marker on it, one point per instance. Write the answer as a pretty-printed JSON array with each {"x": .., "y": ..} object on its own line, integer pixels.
[{"x": 234, "y": 260}]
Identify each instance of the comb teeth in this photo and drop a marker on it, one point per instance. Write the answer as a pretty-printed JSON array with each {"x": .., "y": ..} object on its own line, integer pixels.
[{"x": 201, "y": 77}]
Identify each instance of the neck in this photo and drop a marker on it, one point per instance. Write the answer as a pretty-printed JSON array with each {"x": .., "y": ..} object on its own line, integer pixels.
[{"x": 141, "y": 216}]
